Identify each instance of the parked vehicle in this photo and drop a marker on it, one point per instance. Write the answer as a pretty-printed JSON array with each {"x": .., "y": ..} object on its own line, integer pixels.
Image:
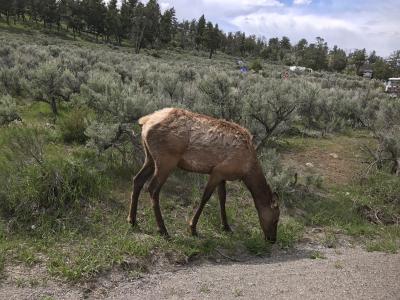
[
  {"x": 393, "y": 86},
  {"x": 300, "y": 69}
]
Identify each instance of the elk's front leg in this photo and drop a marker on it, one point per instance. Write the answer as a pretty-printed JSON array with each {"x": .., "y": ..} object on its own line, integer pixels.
[{"x": 211, "y": 185}]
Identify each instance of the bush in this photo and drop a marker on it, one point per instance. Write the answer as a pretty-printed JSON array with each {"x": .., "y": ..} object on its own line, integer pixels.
[
  {"x": 256, "y": 66},
  {"x": 378, "y": 198},
  {"x": 42, "y": 191},
  {"x": 73, "y": 127},
  {"x": 11, "y": 81},
  {"x": 8, "y": 110},
  {"x": 269, "y": 107},
  {"x": 50, "y": 193},
  {"x": 279, "y": 177}
]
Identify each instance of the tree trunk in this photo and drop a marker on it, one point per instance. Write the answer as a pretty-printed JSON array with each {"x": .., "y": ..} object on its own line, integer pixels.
[
  {"x": 211, "y": 53},
  {"x": 54, "y": 106},
  {"x": 396, "y": 167}
]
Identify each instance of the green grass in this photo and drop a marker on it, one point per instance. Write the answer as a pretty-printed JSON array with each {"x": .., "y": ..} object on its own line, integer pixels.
[
  {"x": 103, "y": 240},
  {"x": 289, "y": 233},
  {"x": 76, "y": 255},
  {"x": 342, "y": 209},
  {"x": 317, "y": 255},
  {"x": 387, "y": 241}
]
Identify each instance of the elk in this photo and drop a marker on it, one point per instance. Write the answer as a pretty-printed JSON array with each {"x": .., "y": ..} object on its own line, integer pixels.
[{"x": 174, "y": 137}]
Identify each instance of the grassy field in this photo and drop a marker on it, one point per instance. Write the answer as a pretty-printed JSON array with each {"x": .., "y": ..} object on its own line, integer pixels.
[
  {"x": 86, "y": 236},
  {"x": 328, "y": 196}
]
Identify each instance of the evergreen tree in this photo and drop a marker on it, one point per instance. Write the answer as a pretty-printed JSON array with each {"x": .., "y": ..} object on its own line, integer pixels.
[
  {"x": 285, "y": 44},
  {"x": 337, "y": 60},
  {"x": 20, "y": 8},
  {"x": 139, "y": 25},
  {"x": 127, "y": 13},
  {"x": 113, "y": 21},
  {"x": 49, "y": 12},
  {"x": 212, "y": 38},
  {"x": 358, "y": 59},
  {"x": 167, "y": 26},
  {"x": 273, "y": 50},
  {"x": 381, "y": 69},
  {"x": 7, "y": 9},
  {"x": 372, "y": 58},
  {"x": 152, "y": 29},
  {"x": 94, "y": 16},
  {"x": 200, "y": 32}
]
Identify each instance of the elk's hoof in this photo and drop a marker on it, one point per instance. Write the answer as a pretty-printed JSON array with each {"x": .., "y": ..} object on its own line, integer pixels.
[
  {"x": 227, "y": 228},
  {"x": 193, "y": 231},
  {"x": 130, "y": 220},
  {"x": 164, "y": 233}
]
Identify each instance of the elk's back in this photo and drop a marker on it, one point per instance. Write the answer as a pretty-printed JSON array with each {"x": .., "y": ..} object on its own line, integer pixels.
[{"x": 201, "y": 142}]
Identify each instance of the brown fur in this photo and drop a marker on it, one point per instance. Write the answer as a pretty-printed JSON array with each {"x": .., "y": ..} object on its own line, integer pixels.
[{"x": 179, "y": 138}]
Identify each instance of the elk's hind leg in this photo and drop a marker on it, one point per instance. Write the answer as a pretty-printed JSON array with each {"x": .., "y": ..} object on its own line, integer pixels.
[
  {"x": 138, "y": 182},
  {"x": 222, "y": 201},
  {"x": 162, "y": 170}
]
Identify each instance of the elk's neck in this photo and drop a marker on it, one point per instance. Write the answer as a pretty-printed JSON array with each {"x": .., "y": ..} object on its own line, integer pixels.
[{"x": 258, "y": 186}]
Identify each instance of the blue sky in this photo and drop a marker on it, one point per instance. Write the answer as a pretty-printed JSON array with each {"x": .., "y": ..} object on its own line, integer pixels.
[{"x": 370, "y": 24}]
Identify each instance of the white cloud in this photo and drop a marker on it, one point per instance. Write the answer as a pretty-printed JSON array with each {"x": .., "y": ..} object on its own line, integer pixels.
[
  {"x": 347, "y": 34},
  {"x": 164, "y": 6},
  {"x": 302, "y": 2},
  {"x": 244, "y": 3},
  {"x": 352, "y": 24}
]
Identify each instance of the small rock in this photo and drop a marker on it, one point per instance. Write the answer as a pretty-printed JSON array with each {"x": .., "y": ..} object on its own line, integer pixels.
[
  {"x": 310, "y": 165},
  {"x": 334, "y": 155}
]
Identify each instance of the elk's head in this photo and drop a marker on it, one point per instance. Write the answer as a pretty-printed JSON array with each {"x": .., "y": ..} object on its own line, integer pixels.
[{"x": 269, "y": 218}]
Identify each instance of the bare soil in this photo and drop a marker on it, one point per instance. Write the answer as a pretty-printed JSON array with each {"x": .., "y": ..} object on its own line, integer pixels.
[
  {"x": 342, "y": 273},
  {"x": 337, "y": 159}
]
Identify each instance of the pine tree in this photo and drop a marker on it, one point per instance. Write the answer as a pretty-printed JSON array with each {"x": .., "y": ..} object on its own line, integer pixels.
[
  {"x": 94, "y": 16},
  {"x": 113, "y": 21},
  {"x": 19, "y": 9},
  {"x": 139, "y": 25},
  {"x": 7, "y": 9},
  {"x": 152, "y": 28},
  {"x": 127, "y": 14},
  {"x": 200, "y": 32},
  {"x": 358, "y": 58},
  {"x": 212, "y": 38},
  {"x": 337, "y": 60},
  {"x": 167, "y": 24}
]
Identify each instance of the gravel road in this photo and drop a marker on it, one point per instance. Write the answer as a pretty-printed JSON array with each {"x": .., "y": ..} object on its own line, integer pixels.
[
  {"x": 345, "y": 273},
  {"x": 342, "y": 274}
]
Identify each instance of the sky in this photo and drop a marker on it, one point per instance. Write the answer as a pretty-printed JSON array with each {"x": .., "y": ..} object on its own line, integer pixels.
[{"x": 350, "y": 24}]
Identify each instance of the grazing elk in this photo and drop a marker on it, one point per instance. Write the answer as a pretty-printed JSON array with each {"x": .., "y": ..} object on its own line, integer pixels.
[{"x": 197, "y": 143}]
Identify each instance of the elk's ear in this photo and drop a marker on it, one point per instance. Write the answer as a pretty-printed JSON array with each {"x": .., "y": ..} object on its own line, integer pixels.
[{"x": 275, "y": 200}]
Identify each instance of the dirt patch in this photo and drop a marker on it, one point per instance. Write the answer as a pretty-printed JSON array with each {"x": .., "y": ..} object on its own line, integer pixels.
[{"x": 338, "y": 160}]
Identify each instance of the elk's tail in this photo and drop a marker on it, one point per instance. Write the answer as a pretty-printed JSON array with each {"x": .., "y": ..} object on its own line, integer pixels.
[{"x": 143, "y": 120}]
